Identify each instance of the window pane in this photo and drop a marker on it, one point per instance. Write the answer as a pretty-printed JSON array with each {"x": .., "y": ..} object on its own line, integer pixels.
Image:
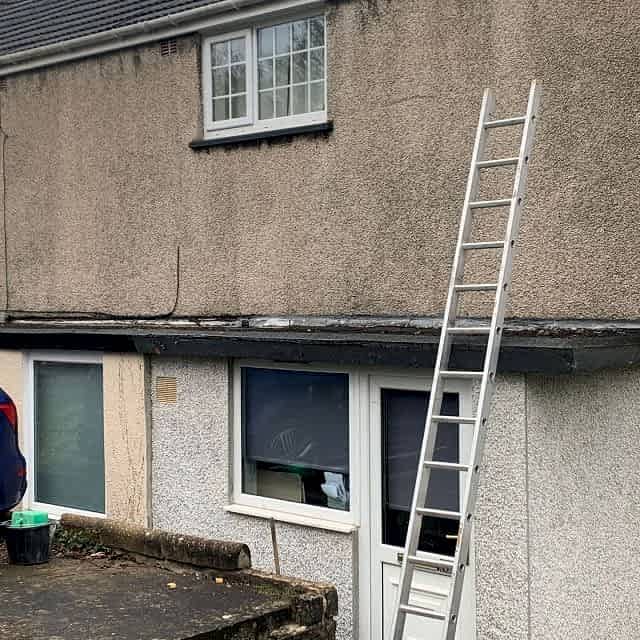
[
  {"x": 282, "y": 71},
  {"x": 283, "y": 38},
  {"x": 282, "y": 102},
  {"x": 295, "y": 433},
  {"x": 237, "y": 50},
  {"x": 316, "y": 97},
  {"x": 316, "y": 70},
  {"x": 299, "y": 61},
  {"x": 299, "y": 99},
  {"x": 316, "y": 30},
  {"x": 221, "y": 109},
  {"x": 221, "y": 81},
  {"x": 220, "y": 53},
  {"x": 265, "y": 42},
  {"x": 238, "y": 79},
  {"x": 69, "y": 435},
  {"x": 265, "y": 74},
  {"x": 266, "y": 105},
  {"x": 299, "y": 35},
  {"x": 239, "y": 106}
]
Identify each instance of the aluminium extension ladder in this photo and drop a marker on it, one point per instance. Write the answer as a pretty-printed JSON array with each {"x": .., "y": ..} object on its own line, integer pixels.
[{"x": 442, "y": 372}]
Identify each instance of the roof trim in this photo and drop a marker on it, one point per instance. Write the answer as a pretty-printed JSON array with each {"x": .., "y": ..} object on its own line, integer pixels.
[{"x": 218, "y": 15}]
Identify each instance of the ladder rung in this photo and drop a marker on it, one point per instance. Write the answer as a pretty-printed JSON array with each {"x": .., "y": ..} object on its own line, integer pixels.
[
  {"x": 447, "y": 466},
  {"x": 485, "y": 286},
  {"x": 486, "y": 204},
  {"x": 469, "y": 330},
  {"x": 495, "y": 244},
  {"x": 500, "y": 162},
  {"x": 462, "y": 374},
  {"x": 425, "y": 613},
  {"x": 430, "y": 564},
  {"x": 454, "y": 419},
  {"x": 439, "y": 513},
  {"x": 505, "y": 122}
]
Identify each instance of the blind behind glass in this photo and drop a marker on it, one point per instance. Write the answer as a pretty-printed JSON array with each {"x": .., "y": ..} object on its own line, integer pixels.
[
  {"x": 296, "y": 418},
  {"x": 69, "y": 435}
]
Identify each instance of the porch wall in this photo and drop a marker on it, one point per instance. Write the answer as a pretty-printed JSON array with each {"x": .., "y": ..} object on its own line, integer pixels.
[{"x": 126, "y": 437}]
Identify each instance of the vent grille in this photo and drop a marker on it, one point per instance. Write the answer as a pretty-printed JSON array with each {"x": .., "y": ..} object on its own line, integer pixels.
[
  {"x": 166, "y": 390},
  {"x": 168, "y": 47}
]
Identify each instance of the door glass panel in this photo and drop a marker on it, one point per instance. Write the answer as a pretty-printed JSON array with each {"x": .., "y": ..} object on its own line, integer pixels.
[{"x": 403, "y": 420}]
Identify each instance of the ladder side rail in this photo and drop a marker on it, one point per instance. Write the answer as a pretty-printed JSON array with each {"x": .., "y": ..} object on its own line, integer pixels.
[
  {"x": 435, "y": 399},
  {"x": 491, "y": 359}
]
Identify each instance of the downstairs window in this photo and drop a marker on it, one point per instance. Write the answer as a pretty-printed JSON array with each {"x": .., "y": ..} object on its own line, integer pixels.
[{"x": 294, "y": 440}]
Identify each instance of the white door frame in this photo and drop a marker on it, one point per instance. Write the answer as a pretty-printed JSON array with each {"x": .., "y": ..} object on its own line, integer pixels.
[{"x": 370, "y": 588}]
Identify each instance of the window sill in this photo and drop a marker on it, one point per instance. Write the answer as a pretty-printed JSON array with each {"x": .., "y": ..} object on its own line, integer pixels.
[
  {"x": 257, "y": 136},
  {"x": 289, "y": 518}
]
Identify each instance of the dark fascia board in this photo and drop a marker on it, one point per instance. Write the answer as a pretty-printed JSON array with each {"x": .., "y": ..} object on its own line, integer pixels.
[{"x": 545, "y": 354}]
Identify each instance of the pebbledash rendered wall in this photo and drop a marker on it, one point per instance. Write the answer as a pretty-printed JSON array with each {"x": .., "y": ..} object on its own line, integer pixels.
[
  {"x": 556, "y": 552},
  {"x": 101, "y": 185}
]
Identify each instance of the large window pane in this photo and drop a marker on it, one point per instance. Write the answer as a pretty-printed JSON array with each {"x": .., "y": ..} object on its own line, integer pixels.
[
  {"x": 295, "y": 436},
  {"x": 69, "y": 435}
]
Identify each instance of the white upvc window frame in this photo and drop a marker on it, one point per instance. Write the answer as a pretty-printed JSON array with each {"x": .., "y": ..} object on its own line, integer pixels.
[
  {"x": 251, "y": 124},
  {"x": 207, "y": 81},
  {"x": 77, "y": 357},
  {"x": 311, "y": 515}
]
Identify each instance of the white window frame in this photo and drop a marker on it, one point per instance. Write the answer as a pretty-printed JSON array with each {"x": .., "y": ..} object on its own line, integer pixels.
[
  {"x": 251, "y": 124},
  {"x": 311, "y": 515},
  {"x": 207, "y": 82},
  {"x": 78, "y": 357}
]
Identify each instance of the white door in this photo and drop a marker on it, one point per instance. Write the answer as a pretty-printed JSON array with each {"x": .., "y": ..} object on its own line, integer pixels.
[{"x": 397, "y": 415}]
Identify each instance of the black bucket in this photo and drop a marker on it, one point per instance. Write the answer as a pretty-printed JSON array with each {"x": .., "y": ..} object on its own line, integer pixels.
[{"x": 27, "y": 545}]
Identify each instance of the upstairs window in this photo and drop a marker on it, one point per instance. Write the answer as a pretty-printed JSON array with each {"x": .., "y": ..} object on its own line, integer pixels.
[{"x": 265, "y": 78}]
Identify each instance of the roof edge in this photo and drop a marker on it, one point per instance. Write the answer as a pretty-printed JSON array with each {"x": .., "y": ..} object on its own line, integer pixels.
[
  {"x": 581, "y": 349},
  {"x": 220, "y": 14}
]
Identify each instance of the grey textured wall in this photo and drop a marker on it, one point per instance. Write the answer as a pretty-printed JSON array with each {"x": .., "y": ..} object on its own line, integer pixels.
[
  {"x": 101, "y": 185},
  {"x": 584, "y": 487},
  {"x": 190, "y": 484}
]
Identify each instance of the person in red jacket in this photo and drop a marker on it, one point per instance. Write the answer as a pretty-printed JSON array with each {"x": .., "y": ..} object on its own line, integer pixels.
[{"x": 13, "y": 467}]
